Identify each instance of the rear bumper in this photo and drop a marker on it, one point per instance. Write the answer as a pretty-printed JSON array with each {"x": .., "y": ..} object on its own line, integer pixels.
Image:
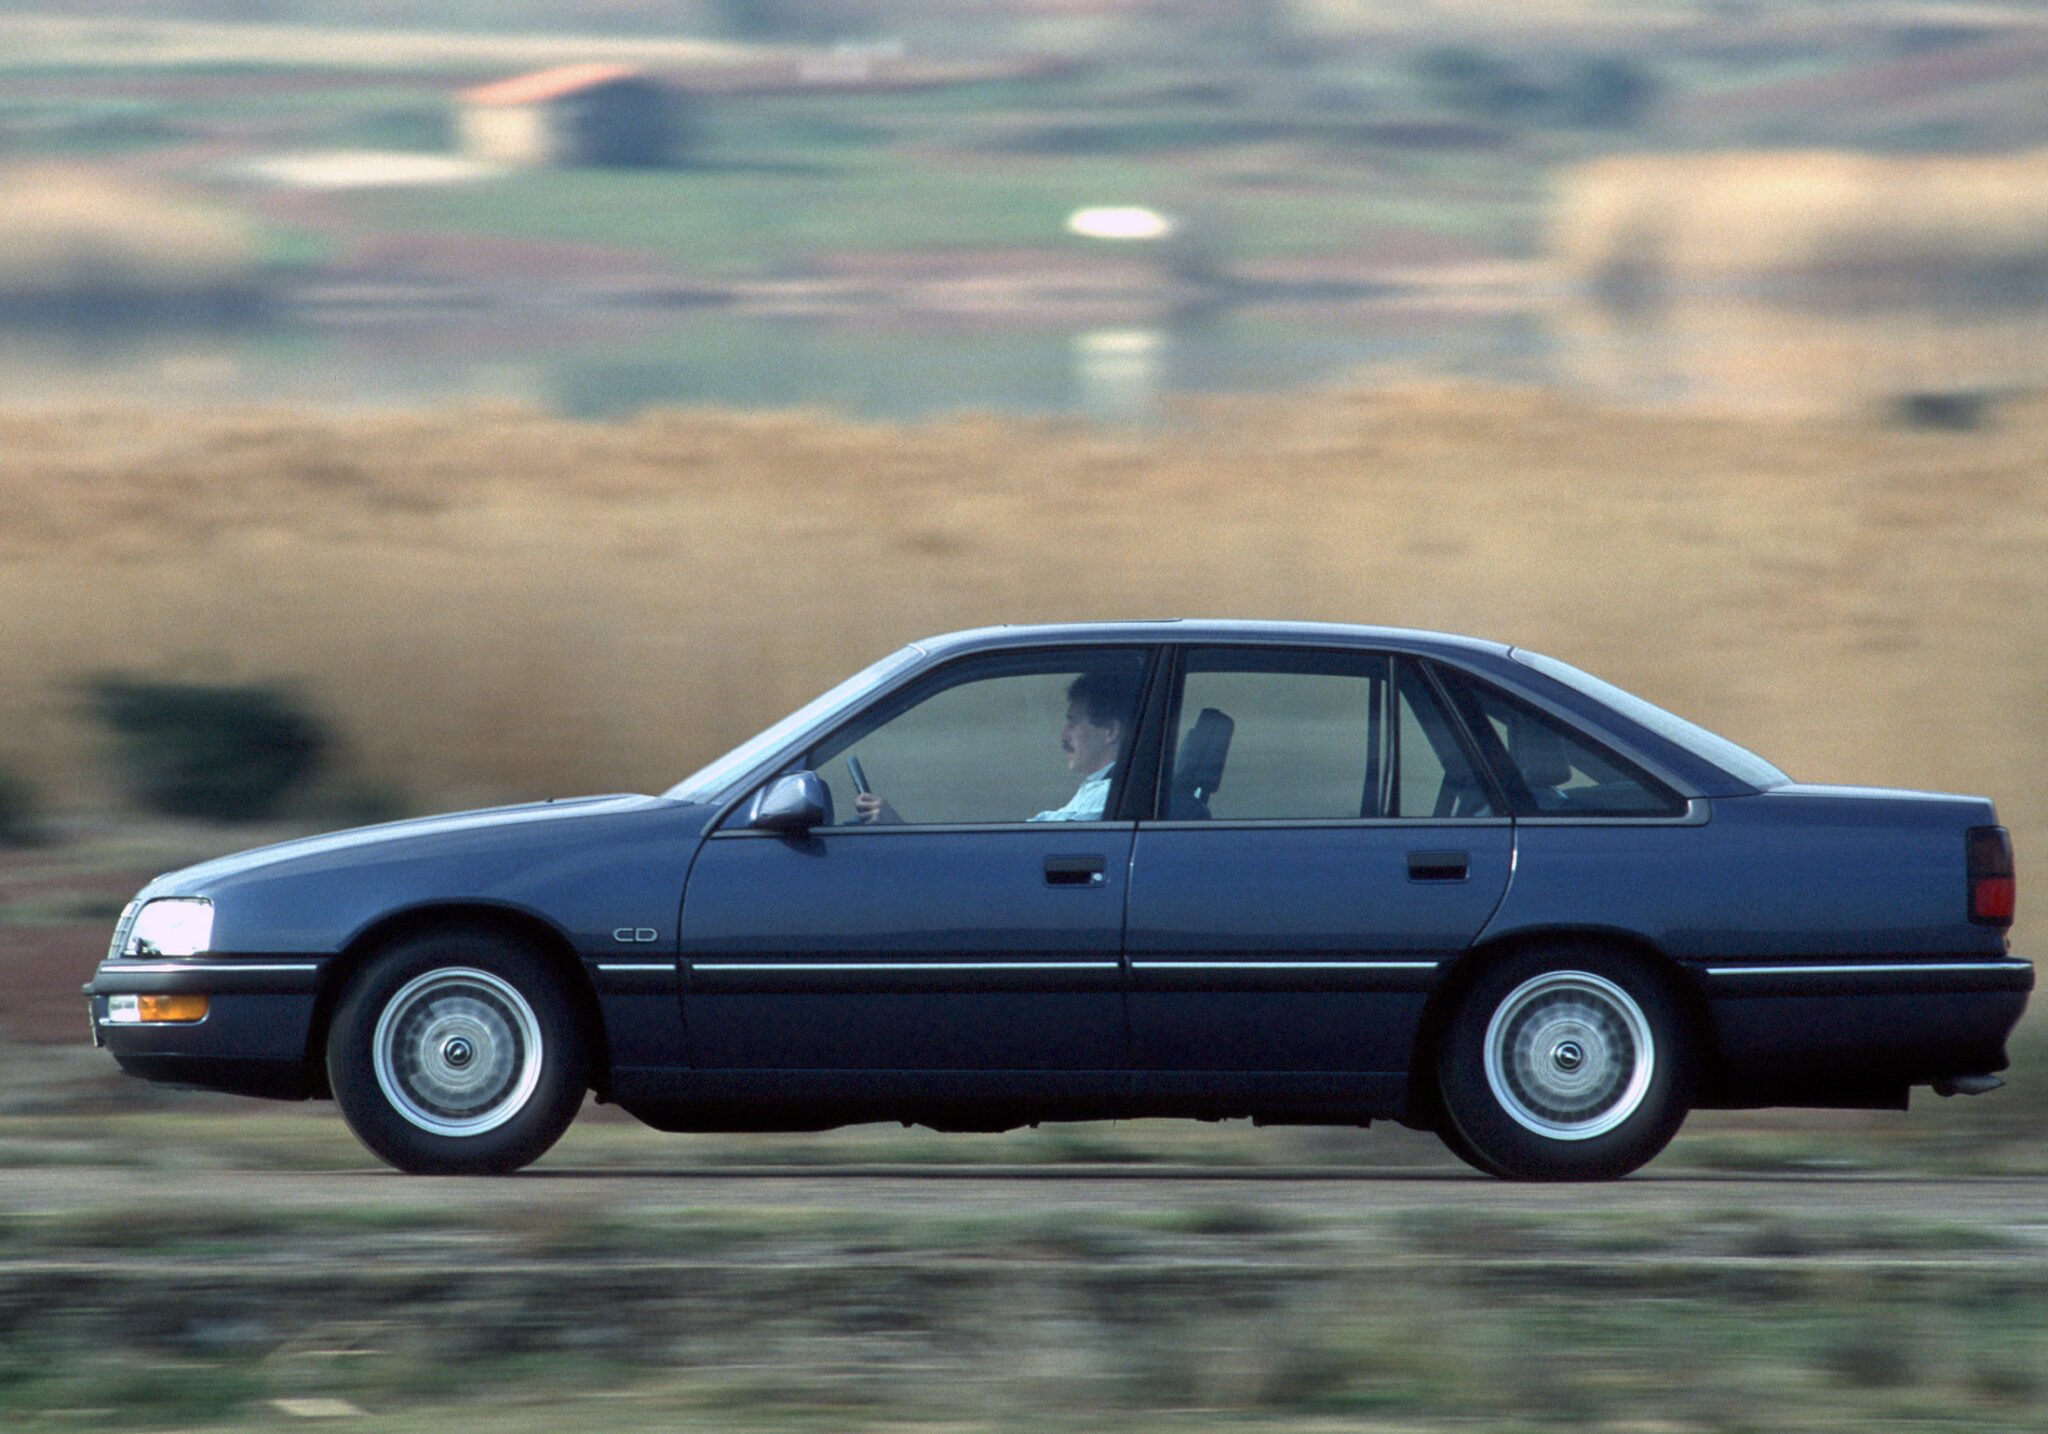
[
  {"x": 1858, "y": 1033},
  {"x": 255, "y": 1037}
]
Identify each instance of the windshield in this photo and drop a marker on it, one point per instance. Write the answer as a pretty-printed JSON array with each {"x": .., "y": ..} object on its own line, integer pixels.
[
  {"x": 709, "y": 782},
  {"x": 1735, "y": 760}
]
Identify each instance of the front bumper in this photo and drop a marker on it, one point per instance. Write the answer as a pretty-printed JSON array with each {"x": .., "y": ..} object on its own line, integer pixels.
[{"x": 254, "y": 1040}]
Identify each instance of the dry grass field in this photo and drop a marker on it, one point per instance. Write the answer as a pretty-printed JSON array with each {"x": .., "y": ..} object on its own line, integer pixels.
[
  {"x": 1828, "y": 217},
  {"x": 70, "y": 233},
  {"x": 492, "y": 604}
]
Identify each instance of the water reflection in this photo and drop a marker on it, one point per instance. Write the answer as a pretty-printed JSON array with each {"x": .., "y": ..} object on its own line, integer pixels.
[
  {"x": 1933, "y": 363},
  {"x": 1723, "y": 352},
  {"x": 1119, "y": 371},
  {"x": 606, "y": 365}
]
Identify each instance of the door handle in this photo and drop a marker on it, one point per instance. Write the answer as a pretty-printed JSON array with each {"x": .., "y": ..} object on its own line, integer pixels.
[
  {"x": 1439, "y": 865},
  {"x": 1075, "y": 870}
]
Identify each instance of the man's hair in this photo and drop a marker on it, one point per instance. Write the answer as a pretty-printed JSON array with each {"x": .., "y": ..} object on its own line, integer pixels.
[{"x": 1105, "y": 697}]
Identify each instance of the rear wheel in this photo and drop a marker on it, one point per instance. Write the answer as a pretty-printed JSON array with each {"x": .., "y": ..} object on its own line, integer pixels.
[
  {"x": 1564, "y": 1064},
  {"x": 457, "y": 1053}
]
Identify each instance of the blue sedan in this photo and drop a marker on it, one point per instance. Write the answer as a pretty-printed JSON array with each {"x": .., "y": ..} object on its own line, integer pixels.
[{"x": 1298, "y": 873}]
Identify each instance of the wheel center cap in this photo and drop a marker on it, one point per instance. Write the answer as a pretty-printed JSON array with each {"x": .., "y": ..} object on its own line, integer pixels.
[
  {"x": 1567, "y": 1056},
  {"x": 458, "y": 1052}
]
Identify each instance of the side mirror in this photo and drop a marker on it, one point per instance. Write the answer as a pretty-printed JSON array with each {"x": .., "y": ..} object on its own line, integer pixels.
[{"x": 792, "y": 803}]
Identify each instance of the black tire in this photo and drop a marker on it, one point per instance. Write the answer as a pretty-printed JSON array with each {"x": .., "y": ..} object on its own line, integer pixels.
[
  {"x": 457, "y": 1053},
  {"x": 1448, "y": 1132},
  {"x": 1565, "y": 1064}
]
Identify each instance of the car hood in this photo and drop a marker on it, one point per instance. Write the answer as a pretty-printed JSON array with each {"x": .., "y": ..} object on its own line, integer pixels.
[{"x": 542, "y": 821}]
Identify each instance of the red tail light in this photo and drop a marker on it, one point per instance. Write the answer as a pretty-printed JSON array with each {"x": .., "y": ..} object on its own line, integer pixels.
[{"x": 1992, "y": 890}]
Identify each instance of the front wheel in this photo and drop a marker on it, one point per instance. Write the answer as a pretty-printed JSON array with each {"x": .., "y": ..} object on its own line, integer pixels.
[
  {"x": 1564, "y": 1065},
  {"x": 456, "y": 1053}
]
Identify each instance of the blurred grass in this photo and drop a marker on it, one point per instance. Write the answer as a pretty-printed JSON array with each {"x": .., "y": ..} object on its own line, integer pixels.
[
  {"x": 1239, "y": 1317},
  {"x": 619, "y": 1303},
  {"x": 72, "y": 236}
]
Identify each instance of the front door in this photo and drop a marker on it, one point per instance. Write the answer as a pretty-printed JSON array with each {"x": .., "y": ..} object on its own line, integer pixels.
[{"x": 961, "y": 913}]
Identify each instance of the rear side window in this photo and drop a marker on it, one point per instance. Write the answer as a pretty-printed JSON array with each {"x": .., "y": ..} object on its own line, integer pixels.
[
  {"x": 1564, "y": 772},
  {"x": 1738, "y": 761},
  {"x": 1290, "y": 735}
]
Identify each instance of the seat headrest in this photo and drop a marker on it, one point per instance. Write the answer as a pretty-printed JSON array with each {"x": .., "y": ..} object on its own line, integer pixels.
[
  {"x": 1198, "y": 770},
  {"x": 1539, "y": 755}
]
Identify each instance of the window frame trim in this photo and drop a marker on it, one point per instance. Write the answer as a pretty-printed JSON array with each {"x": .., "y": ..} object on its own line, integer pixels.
[{"x": 1496, "y": 792}]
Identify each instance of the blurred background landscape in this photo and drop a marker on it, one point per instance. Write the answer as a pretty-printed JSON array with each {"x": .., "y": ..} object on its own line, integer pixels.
[
  {"x": 533, "y": 398},
  {"x": 476, "y": 402},
  {"x": 862, "y": 205}
]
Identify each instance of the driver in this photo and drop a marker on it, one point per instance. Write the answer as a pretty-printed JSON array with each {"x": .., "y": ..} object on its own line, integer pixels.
[{"x": 1098, "y": 708}]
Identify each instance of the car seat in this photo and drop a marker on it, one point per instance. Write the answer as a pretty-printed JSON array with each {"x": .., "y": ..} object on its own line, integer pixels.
[
  {"x": 1540, "y": 755},
  {"x": 1198, "y": 769}
]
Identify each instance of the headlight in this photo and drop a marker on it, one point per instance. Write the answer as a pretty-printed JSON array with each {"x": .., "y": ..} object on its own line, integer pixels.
[{"x": 171, "y": 926}]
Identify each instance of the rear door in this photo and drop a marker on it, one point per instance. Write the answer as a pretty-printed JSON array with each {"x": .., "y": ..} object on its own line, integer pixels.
[{"x": 1298, "y": 893}]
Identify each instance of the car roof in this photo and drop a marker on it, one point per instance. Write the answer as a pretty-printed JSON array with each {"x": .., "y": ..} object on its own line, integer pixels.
[{"x": 1196, "y": 630}]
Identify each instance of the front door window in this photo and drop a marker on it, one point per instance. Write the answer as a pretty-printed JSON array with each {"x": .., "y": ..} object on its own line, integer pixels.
[{"x": 1038, "y": 738}]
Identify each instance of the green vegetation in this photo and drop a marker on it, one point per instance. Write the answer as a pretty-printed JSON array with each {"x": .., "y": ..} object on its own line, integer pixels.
[
  {"x": 21, "y": 814},
  {"x": 104, "y": 127},
  {"x": 1591, "y": 91},
  {"x": 782, "y": 182},
  {"x": 1273, "y": 137},
  {"x": 225, "y": 752}
]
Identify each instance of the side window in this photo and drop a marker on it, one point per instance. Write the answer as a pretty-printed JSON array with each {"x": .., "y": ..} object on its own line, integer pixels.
[
  {"x": 1011, "y": 739},
  {"x": 1281, "y": 735},
  {"x": 1435, "y": 777},
  {"x": 1566, "y": 773}
]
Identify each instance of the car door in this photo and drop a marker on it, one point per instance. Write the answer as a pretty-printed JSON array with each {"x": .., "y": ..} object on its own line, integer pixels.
[
  {"x": 973, "y": 926},
  {"x": 1325, "y": 842}
]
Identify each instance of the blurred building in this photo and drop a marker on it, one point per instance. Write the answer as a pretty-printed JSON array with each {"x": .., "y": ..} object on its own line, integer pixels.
[{"x": 574, "y": 115}]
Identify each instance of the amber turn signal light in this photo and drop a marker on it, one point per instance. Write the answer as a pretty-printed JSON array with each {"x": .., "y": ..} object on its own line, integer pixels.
[
  {"x": 173, "y": 1008},
  {"x": 139, "y": 1010}
]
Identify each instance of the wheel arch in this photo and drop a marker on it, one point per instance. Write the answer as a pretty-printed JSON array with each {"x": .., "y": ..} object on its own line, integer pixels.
[
  {"x": 507, "y": 923},
  {"x": 1425, "y": 1109}
]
